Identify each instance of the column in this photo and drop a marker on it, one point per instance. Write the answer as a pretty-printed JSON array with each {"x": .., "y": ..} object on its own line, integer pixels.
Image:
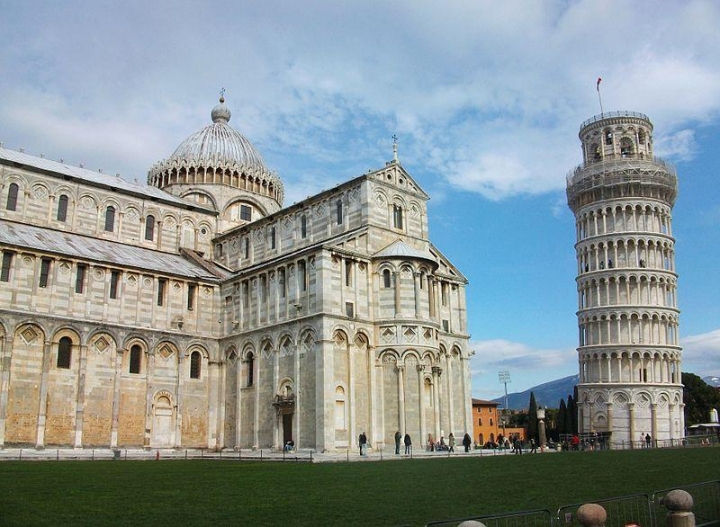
[
  {"x": 80, "y": 397},
  {"x": 179, "y": 391},
  {"x": 298, "y": 395},
  {"x": 416, "y": 281},
  {"x": 116, "y": 398},
  {"x": 450, "y": 389},
  {"x": 238, "y": 401},
  {"x": 401, "y": 395},
  {"x": 631, "y": 417},
  {"x": 40, "y": 435},
  {"x": 148, "y": 399},
  {"x": 421, "y": 399},
  {"x": 396, "y": 276},
  {"x": 653, "y": 421},
  {"x": 436, "y": 372},
  {"x": 6, "y": 346}
]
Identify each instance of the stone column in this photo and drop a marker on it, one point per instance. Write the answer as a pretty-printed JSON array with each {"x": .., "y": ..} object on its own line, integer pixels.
[
  {"x": 149, "y": 399},
  {"x": 653, "y": 422},
  {"x": 421, "y": 398},
  {"x": 80, "y": 396},
  {"x": 116, "y": 398},
  {"x": 42, "y": 409},
  {"x": 450, "y": 390},
  {"x": 436, "y": 372},
  {"x": 631, "y": 423},
  {"x": 6, "y": 346},
  {"x": 416, "y": 281},
  {"x": 398, "y": 305},
  {"x": 179, "y": 392},
  {"x": 298, "y": 395},
  {"x": 401, "y": 395}
]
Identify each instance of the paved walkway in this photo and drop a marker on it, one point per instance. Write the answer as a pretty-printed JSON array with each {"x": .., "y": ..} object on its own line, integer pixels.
[{"x": 29, "y": 453}]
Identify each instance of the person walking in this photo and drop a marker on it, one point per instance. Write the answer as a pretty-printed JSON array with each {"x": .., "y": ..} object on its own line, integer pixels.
[
  {"x": 533, "y": 446},
  {"x": 362, "y": 441},
  {"x": 451, "y": 442},
  {"x": 398, "y": 438},
  {"x": 408, "y": 444},
  {"x": 467, "y": 442},
  {"x": 648, "y": 441}
]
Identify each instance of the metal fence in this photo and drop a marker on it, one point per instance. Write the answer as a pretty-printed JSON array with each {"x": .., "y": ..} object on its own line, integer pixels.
[{"x": 624, "y": 511}]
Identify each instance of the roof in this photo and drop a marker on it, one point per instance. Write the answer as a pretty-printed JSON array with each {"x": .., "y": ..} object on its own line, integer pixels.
[
  {"x": 91, "y": 177},
  {"x": 103, "y": 251},
  {"x": 400, "y": 249},
  {"x": 483, "y": 402}
]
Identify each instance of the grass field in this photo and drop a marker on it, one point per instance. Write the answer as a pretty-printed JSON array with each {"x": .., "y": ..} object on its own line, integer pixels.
[{"x": 407, "y": 492}]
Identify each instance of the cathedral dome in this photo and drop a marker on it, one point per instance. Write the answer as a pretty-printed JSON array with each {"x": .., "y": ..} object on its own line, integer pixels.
[{"x": 217, "y": 154}]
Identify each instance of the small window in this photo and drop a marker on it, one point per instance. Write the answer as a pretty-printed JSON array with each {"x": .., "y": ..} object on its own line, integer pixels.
[
  {"x": 339, "y": 212},
  {"x": 162, "y": 285},
  {"x": 135, "y": 359},
  {"x": 12, "y": 197},
  {"x": 281, "y": 283},
  {"x": 6, "y": 266},
  {"x": 272, "y": 238},
  {"x": 303, "y": 226},
  {"x": 114, "y": 281},
  {"x": 479, "y": 421},
  {"x": 491, "y": 421},
  {"x": 110, "y": 219},
  {"x": 446, "y": 326},
  {"x": 64, "y": 353},
  {"x": 247, "y": 248},
  {"x": 397, "y": 217},
  {"x": 302, "y": 275},
  {"x": 195, "y": 365},
  {"x": 45, "y": 271},
  {"x": 348, "y": 272},
  {"x": 62, "y": 208},
  {"x": 386, "y": 279},
  {"x": 245, "y": 294},
  {"x": 250, "y": 369},
  {"x": 192, "y": 289},
  {"x": 608, "y": 137},
  {"x": 150, "y": 228},
  {"x": 80, "y": 278},
  {"x": 349, "y": 309},
  {"x": 245, "y": 213}
]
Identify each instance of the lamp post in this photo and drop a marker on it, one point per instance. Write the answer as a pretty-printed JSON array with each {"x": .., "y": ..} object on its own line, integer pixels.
[{"x": 541, "y": 426}]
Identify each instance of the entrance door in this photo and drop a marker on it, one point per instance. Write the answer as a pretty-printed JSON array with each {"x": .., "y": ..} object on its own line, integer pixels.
[{"x": 287, "y": 428}]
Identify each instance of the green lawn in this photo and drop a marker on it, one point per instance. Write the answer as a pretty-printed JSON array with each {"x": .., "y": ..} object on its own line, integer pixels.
[{"x": 407, "y": 492}]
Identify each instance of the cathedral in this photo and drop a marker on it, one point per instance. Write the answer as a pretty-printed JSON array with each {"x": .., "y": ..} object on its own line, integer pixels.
[{"x": 198, "y": 312}]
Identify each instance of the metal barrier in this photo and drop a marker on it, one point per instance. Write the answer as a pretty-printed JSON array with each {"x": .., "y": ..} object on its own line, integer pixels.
[
  {"x": 706, "y": 503},
  {"x": 621, "y": 511},
  {"x": 532, "y": 518}
]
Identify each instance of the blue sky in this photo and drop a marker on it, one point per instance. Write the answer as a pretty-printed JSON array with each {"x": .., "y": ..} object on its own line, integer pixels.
[{"x": 486, "y": 99}]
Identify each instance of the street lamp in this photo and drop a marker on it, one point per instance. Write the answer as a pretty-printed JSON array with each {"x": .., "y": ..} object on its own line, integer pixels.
[{"x": 541, "y": 426}]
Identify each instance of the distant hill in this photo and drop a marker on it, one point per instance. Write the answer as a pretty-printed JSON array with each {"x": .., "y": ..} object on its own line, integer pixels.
[
  {"x": 550, "y": 393},
  {"x": 547, "y": 394}
]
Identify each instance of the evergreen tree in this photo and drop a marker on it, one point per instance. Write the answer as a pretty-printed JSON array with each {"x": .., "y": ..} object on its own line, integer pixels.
[
  {"x": 699, "y": 399},
  {"x": 532, "y": 427},
  {"x": 571, "y": 416},
  {"x": 575, "y": 427},
  {"x": 562, "y": 418}
]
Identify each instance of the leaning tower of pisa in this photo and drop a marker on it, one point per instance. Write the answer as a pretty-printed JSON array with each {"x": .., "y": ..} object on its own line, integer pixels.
[{"x": 629, "y": 354}]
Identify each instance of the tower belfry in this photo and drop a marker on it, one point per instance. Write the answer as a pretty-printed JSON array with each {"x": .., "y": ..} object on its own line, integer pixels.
[{"x": 629, "y": 354}]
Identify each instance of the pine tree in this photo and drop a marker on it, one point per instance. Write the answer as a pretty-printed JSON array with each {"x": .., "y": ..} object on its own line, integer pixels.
[
  {"x": 562, "y": 418},
  {"x": 532, "y": 427}
]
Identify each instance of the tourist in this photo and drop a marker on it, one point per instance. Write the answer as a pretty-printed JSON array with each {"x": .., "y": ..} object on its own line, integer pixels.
[
  {"x": 362, "y": 440},
  {"x": 467, "y": 442},
  {"x": 451, "y": 442},
  {"x": 398, "y": 438},
  {"x": 648, "y": 441},
  {"x": 408, "y": 444},
  {"x": 533, "y": 446}
]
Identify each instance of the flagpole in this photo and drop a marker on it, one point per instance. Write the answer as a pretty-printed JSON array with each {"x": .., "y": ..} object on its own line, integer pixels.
[{"x": 597, "y": 87}]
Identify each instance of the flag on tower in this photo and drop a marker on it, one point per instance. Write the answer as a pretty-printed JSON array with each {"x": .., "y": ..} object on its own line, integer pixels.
[{"x": 597, "y": 87}]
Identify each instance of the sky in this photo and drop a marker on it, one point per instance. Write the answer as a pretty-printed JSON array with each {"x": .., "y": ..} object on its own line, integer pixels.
[{"x": 485, "y": 98}]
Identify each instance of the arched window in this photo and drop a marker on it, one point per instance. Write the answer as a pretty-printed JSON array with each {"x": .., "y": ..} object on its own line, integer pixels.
[
  {"x": 302, "y": 275},
  {"x": 250, "y": 369},
  {"x": 397, "y": 217},
  {"x": 479, "y": 421},
  {"x": 150, "y": 228},
  {"x": 62, "y": 208},
  {"x": 386, "y": 278},
  {"x": 110, "y": 219},
  {"x": 135, "y": 359},
  {"x": 303, "y": 226},
  {"x": 195, "y": 365},
  {"x": 339, "y": 212},
  {"x": 12, "y": 197},
  {"x": 64, "y": 353}
]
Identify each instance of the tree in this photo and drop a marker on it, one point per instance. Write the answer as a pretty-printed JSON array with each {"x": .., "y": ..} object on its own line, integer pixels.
[
  {"x": 571, "y": 416},
  {"x": 699, "y": 399},
  {"x": 562, "y": 418},
  {"x": 532, "y": 427}
]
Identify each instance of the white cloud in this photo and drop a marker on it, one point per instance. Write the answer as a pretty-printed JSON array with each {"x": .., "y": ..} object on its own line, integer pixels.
[{"x": 701, "y": 353}]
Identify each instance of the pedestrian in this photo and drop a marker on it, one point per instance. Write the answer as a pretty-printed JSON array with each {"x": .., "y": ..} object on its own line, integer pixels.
[
  {"x": 533, "y": 446},
  {"x": 467, "y": 442},
  {"x": 398, "y": 438},
  {"x": 518, "y": 445},
  {"x": 648, "y": 441},
  {"x": 408, "y": 444},
  {"x": 431, "y": 443},
  {"x": 451, "y": 442},
  {"x": 362, "y": 441}
]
